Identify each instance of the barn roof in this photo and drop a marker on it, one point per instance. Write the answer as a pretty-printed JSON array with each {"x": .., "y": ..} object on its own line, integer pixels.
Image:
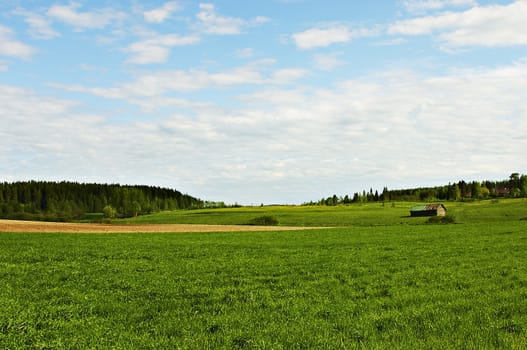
[
  {"x": 427, "y": 207},
  {"x": 418, "y": 208}
]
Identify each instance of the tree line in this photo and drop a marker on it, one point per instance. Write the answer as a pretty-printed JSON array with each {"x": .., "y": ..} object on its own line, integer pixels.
[
  {"x": 514, "y": 187},
  {"x": 63, "y": 201}
]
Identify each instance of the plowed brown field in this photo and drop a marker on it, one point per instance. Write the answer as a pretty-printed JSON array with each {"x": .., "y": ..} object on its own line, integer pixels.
[{"x": 47, "y": 227}]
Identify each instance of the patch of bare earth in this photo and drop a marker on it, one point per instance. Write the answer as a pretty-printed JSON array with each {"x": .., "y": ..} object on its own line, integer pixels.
[{"x": 60, "y": 227}]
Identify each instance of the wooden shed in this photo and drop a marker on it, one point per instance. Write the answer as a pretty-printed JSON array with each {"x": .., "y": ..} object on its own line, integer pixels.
[{"x": 428, "y": 210}]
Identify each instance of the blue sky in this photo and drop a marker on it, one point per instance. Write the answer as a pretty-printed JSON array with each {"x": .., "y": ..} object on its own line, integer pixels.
[{"x": 272, "y": 101}]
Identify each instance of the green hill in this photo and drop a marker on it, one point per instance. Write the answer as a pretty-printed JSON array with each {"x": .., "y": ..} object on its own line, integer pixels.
[{"x": 368, "y": 214}]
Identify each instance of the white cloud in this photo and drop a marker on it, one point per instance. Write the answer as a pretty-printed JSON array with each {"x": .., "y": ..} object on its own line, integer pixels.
[
  {"x": 91, "y": 68},
  {"x": 279, "y": 144},
  {"x": 328, "y": 62},
  {"x": 157, "y": 49},
  {"x": 321, "y": 37},
  {"x": 258, "y": 20},
  {"x": 39, "y": 26},
  {"x": 159, "y": 15},
  {"x": 47, "y": 138},
  {"x": 163, "y": 82},
  {"x": 287, "y": 75},
  {"x": 433, "y": 5},
  {"x": 391, "y": 42},
  {"x": 491, "y": 26},
  {"x": 156, "y": 103},
  {"x": 95, "y": 19},
  {"x": 424, "y": 25},
  {"x": 328, "y": 35},
  {"x": 148, "y": 54},
  {"x": 212, "y": 23},
  {"x": 113, "y": 36},
  {"x": 387, "y": 127},
  {"x": 39, "y": 129},
  {"x": 11, "y": 47},
  {"x": 245, "y": 53},
  {"x": 275, "y": 97}
]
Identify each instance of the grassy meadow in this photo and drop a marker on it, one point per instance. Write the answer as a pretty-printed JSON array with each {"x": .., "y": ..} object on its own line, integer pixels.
[
  {"x": 367, "y": 214},
  {"x": 384, "y": 280}
]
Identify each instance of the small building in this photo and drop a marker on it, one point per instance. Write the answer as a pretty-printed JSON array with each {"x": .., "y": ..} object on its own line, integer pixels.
[
  {"x": 502, "y": 191},
  {"x": 428, "y": 210}
]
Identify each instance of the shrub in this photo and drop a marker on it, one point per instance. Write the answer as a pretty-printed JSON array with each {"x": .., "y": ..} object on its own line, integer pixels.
[
  {"x": 448, "y": 219},
  {"x": 264, "y": 221},
  {"x": 109, "y": 212}
]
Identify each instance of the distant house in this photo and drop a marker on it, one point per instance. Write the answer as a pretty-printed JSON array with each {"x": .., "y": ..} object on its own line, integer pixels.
[
  {"x": 502, "y": 191},
  {"x": 428, "y": 210}
]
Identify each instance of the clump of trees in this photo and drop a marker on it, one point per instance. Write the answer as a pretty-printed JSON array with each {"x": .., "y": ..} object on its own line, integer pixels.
[
  {"x": 514, "y": 187},
  {"x": 63, "y": 201},
  {"x": 265, "y": 220}
]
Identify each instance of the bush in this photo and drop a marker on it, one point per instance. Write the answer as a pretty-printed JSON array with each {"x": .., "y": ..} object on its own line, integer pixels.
[
  {"x": 109, "y": 212},
  {"x": 448, "y": 219},
  {"x": 264, "y": 221}
]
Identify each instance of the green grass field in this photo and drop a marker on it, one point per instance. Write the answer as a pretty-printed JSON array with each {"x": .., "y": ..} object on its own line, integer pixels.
[
  {"x": 388, "y": 281},
  {"x": 369, "y": 214}
]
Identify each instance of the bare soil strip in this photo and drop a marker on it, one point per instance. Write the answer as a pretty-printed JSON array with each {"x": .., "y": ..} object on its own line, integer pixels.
[{"x": 60, "y": 227}]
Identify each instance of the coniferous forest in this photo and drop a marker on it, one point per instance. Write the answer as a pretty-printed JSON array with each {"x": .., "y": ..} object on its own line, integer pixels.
[
  {"x": 513, "y": 187},
  {"x": 64, "y": 201}
]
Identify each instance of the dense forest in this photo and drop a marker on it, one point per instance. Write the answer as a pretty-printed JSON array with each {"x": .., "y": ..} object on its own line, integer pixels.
[
  {"x": 514, "y": 187},
  {"x": 63, "y": 201}
]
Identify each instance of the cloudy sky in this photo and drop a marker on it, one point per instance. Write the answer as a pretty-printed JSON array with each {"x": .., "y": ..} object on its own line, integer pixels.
[{"x": 269, "y": 101}]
